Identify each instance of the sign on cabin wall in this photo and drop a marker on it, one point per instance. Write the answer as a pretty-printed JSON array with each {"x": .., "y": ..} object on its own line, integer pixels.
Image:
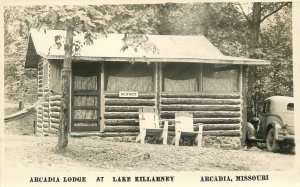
[{"x": 128, "y": 94}]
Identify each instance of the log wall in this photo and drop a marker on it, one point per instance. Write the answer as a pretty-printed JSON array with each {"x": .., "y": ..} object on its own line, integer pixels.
[
  {"x": 46, "y": 94},
  {"x": 220, "y": 113},
  {"x": 54, "y": 108},
  {"x": 121, "y": 114},
  {"x": 39, "y": 124}
]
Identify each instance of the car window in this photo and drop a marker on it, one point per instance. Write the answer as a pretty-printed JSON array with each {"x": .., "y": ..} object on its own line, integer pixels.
[
  {"x": 266, "y": 107},
  {"x": 290, "y": 106}
]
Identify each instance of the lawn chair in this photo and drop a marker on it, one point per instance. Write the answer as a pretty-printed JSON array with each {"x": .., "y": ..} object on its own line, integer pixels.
[
  {"x": 184, "y": 128},
  {"x": 149, "y": 125}
]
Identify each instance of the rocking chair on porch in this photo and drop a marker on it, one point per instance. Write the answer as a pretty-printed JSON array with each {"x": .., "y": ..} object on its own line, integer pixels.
[
  {"x": 149, "y": 125},
  {"x": 184, "y": 128}
]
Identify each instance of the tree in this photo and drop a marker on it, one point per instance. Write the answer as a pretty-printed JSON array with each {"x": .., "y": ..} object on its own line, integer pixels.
[
  {"x": 18, "y": 81},
  {"x": 92, "y": 21},
  {"x": 260, "y": 12}
]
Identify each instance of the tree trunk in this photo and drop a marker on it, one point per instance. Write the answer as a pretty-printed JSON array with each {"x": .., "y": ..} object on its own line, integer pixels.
[
  {"x": 65, "y": 99},
  {"x": 254, "y": 44},
  {"x": 255, "y": 26}
]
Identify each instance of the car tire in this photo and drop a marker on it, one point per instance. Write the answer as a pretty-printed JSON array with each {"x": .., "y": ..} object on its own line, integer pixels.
[
  {"x": 272, "y": 144},
  {"x": 286, "y": 147}
]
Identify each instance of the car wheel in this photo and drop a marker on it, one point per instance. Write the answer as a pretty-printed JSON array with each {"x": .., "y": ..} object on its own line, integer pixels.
[
  {"x": 272, "y": 144},
  {"x": 286, "y": 147}
]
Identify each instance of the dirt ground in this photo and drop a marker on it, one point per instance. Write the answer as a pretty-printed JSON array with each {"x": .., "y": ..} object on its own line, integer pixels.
[{"x": 97, "y": 154}]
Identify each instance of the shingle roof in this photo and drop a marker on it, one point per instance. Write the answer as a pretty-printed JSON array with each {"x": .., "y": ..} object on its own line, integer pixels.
[{"x": 172, "y": 48}]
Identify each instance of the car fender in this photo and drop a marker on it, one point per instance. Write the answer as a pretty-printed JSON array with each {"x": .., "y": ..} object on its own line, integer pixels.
[
  {"x": 277, "y": 128},
  {"x": 251, "y": 131}
]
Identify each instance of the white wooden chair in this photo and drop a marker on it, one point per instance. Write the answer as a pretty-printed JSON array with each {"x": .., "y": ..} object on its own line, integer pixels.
[
  {"x": 184, "y": 128},
  {"x": 149, "y": 125}
]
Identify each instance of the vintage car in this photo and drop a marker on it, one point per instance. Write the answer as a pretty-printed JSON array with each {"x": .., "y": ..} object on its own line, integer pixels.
[{"x": 275, "y": 125}]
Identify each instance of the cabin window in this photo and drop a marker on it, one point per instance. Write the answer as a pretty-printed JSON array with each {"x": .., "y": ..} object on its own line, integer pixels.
[
  {"x": 220, "y": 78},
  {"x": 179, "y": 77},
  {"x": 120, "y": 76}
]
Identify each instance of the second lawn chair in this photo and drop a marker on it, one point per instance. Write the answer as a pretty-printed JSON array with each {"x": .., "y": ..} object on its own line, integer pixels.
[
  {"x": 184, "y": 128},
  {"x": 149, "y": 125}
]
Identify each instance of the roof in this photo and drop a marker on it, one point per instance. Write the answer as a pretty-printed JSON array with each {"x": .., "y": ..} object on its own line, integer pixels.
[{"x": 172, "y": 48}]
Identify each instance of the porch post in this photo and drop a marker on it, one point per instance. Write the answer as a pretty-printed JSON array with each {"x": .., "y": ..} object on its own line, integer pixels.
[
  {"x": 102, "y": 98},
  {"x": 243, "y": 91},
  {"x": 158, "y": 81}
]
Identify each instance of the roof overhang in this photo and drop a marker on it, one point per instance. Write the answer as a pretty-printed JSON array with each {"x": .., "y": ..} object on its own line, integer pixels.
[{"x": 184, "y": 49}]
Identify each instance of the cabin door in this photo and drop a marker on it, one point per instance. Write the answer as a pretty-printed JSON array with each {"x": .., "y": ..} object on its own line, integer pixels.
[{"x": 85, "y": 97}]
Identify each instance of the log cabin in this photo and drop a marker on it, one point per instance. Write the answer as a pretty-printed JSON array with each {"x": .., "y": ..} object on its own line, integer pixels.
[{"x": 109, "y": 86}]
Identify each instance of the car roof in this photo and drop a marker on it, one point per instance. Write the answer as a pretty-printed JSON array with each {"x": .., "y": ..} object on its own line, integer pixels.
[
  {"x": 281, "y": 99},
  {"x": 279, "y": 103}
]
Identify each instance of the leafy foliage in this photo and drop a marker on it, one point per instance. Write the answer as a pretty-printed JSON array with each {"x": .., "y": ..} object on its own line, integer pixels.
[{"x": 226, "y": 25}]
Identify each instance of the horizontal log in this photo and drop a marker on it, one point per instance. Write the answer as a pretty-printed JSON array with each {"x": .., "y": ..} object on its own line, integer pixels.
[
  {"x": 123, "y": 108},
  {"x": 55, "y": 97},
  {"x": 40, "y": 94},
  {"x": 40, "y": 116},
  {"x": 121, "y": 129},
  {"x": 54, "y": 120},
  {"x": 54, "y": 125},
  {"x": 55, "y": 109},
  {"x": 200, "y": 101},
  {"x": 201, "y": 114},
  {"x": 141, "y": 95},
  {"x": 106, "y": 134},
  {"x": 117, "y": 122},
  {"x": 217, "y": 120},
  {"x": 117, "y": 115},
  {"x": 40, "y": 107},
  {"x": 39, "y": 130},
  {"x": 129, "y": 102},
  {"x": 216, "y": 133},
  {"x": 40, "y": 125},
  {"x": 208, "y": 127},
  {"x": 201, "y": 95},
  {"x": 53, "y": 131},
  {"x": 46, "y": 130},
  {"x": 222, "y": 133},
  {"x": 46, "y": 125},
  {"x": 46, "y": 120},
  {"x": 211, "y": 120},
  {"x": 200, "y": 108},
  {"x": 55, "y": 115},
  {"x": 46, "y": 114},
  {"x": 55, "y": 103}
]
